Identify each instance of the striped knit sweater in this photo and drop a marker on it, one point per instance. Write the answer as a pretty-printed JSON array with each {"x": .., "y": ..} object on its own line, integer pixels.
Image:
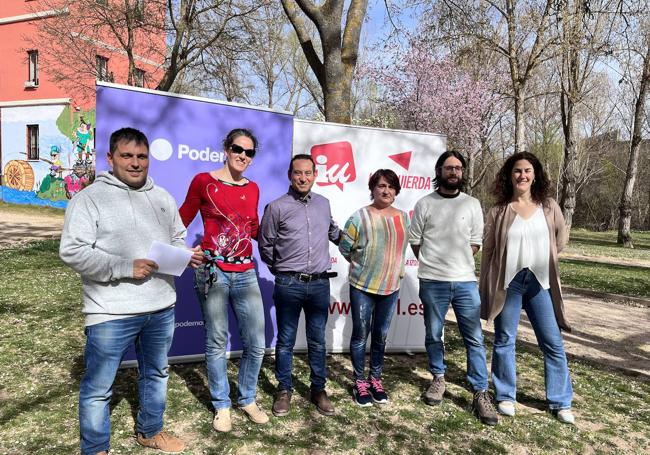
[{"x": 375, "y": 246}]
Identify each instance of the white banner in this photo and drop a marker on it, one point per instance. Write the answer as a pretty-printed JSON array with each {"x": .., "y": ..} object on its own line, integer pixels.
[{"x": 346, "y": 156}]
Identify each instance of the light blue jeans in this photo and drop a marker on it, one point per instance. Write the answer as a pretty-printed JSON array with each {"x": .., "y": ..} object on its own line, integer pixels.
[
  {"x": 242, "y": 290},
  {"x": 524, "y": 291},
  {"x": 106, "y": 344},
  {"x": 371, "y": 313},
  {"x": 463, "y": 296}
]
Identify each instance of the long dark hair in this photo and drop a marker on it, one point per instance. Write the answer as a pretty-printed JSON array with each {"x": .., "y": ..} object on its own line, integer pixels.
[
  {"x": 503, "y": 189},
  {"x": 441, "y": 160}
]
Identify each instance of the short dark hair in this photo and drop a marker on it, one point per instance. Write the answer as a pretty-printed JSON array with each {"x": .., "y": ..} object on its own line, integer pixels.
[
  {"x": 441, "y": 160},
  {"x": 301, "y": 156},
  {"x": 503, "y": 189},
  {"x": 127, "y": 135},
  {"x": 389, "y": 176},
  {"x": 238, "y": 132}
]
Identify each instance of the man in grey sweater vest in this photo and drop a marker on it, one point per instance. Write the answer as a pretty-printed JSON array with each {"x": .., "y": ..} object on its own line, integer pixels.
[
  {"x": 446, "y": 232},
  {"x": 108, "y": 229}
]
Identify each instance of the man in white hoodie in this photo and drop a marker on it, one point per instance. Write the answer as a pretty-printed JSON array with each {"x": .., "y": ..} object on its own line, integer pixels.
[{"x": 108, "y": 229}]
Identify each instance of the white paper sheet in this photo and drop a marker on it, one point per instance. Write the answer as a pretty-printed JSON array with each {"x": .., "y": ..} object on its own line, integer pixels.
[{"x": 171, "y": 260}]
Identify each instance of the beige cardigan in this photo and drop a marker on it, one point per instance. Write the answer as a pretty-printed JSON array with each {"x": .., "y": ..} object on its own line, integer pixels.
[{"x": 493, "y": 259}]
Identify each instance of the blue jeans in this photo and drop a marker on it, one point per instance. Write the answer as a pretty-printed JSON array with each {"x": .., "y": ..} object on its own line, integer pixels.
[
  {"x": 464, "y": 298},
  {"x": 370, "y": 312},
  {"x": 291, "y": 297},
  {"x": 524, "y": 291},
  {"x": 242, "y": 290},
  {"x": 106, "y": 344}
]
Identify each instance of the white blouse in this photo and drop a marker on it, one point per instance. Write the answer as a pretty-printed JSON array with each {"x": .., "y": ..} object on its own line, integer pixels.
[{"x": 528, "y": 247}]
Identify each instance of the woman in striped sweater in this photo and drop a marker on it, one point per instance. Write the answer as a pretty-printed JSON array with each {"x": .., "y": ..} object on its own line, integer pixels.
[{"x": 374, "y": 242}]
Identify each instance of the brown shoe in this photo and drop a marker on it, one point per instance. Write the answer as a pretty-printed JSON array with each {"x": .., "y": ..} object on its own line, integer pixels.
[
  {"x": 255, "y": 414},
  {"x": 103, "y": 452},
  {"x": 435, "y": 392},
  {"x": 322, "y": 402},
  {"x": 163, "y": 441},
  {"x": 282, "y": 403},
  {"x": 484, "y": 408},
  {"x": 222, "y": 421}
]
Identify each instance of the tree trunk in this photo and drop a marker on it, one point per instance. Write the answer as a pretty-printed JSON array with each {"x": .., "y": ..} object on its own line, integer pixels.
[
  {"x": 520, "y": 126},
  {"x": 569, "y": 164},
  {"x": 569, "y": 173},
  {"x": 647, "y": 213},
  {"x": 337, "y": 90},
  {"x": 572, "y": 34},
  {"x": 340, "y": 50},
  {"x": 470, "y": 174},
  {"x": 625, "y": 206}
]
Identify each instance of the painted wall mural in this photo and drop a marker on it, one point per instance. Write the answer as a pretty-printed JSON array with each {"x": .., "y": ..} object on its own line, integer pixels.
[{"x": 65, "y": 162}]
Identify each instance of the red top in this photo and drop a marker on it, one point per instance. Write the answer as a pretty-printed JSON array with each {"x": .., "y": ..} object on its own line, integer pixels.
[{"x": 230, "y": 221}]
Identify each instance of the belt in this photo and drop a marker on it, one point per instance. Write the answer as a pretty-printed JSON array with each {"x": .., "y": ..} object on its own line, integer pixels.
[{"x": 307, "y": 277}]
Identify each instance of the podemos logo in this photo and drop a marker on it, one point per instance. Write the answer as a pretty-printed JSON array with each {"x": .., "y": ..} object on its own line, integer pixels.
[
  {"x": 162, "y": 150},
  {"x": 334, "y": 163}
]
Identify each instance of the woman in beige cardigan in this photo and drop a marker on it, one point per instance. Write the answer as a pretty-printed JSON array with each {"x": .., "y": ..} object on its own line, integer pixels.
[{"x": 524, "y": 232}]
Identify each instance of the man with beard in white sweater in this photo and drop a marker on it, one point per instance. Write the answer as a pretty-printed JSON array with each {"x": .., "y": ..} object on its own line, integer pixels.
[
  {"x": 108, "y": 229},
  {"x": 446, "y": 232}
]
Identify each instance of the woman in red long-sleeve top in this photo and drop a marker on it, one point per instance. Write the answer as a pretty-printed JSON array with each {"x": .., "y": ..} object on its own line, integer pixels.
[{"x": 228, "y": 204}]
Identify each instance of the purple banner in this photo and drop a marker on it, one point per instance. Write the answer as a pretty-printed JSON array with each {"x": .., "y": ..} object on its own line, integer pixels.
[{"x": 185, "y": 135}]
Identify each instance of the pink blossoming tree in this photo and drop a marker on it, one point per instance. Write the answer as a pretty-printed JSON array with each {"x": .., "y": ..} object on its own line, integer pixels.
[{"x": 432, "y": 93}]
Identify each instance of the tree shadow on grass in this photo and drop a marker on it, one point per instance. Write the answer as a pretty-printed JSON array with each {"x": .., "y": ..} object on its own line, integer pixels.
[
  {"x": 626, "y": 352},
  {"x": 193, "y": 375},
  {"x": 125, "y": 387},
  {"x": 13, "y": 408},
  {"x": 195, "y": 378}
]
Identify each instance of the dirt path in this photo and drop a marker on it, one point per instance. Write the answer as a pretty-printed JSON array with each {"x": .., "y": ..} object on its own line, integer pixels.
[
  {"x": 608, "y": 333},
  {"x": 605, "y": 260},
  {"x": 611, "y": 334},
  {"x": 19, "y": 226}
]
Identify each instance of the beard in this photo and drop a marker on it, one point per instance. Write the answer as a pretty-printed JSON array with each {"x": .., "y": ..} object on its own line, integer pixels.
[{"x": 451, "y": 186}]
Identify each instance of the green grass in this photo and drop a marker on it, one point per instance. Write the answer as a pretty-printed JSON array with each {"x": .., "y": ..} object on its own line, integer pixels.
[
  {"x": 609, "y": 278},
  {"x": 41, "y": 333},
  {"x": 627, "y": 280},
  {"x": 591, "y": 243}
]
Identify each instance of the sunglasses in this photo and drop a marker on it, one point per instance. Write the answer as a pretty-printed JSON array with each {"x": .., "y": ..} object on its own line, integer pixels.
[{"x": 239, "y": 149}]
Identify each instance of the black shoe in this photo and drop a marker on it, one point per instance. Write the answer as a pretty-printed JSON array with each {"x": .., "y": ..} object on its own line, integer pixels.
[
  {"x": 360, "y": 393},
  {"x": 377, "y": 391}
]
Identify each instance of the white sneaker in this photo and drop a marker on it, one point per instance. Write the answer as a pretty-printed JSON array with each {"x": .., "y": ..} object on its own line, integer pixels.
[
  {"x": 566, "y": 416},
  {"x": 507, "y": 408}
]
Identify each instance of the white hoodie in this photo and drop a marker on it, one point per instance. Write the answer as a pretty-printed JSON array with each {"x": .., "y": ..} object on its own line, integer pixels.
[{"x": 107, "y": 226}]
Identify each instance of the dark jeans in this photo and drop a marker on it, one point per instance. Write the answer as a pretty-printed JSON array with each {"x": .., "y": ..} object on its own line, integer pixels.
[
  {"x": 292, "y": 296},
  {"x": 370, "y": 313}
]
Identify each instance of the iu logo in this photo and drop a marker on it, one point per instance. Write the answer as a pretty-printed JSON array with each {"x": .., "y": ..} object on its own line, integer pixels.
[{"x": 334, "y": 163}]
